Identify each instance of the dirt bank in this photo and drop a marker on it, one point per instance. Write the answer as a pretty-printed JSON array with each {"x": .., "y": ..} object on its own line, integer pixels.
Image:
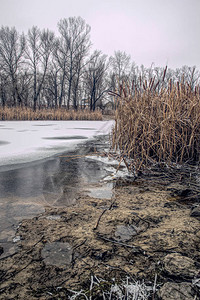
[{"x": 148, "y": 231}]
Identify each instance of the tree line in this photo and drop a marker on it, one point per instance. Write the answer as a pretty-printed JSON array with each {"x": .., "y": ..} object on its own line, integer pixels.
[{"x": 40, "y": 69}]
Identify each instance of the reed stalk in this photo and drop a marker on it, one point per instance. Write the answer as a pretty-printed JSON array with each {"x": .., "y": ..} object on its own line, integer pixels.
[{"x": 158, "y": 126}]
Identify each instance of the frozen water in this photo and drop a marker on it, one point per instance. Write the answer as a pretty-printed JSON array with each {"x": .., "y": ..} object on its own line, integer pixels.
[
  {"x": 33, "y": 175},
  {"x": 26, "y": 141}
]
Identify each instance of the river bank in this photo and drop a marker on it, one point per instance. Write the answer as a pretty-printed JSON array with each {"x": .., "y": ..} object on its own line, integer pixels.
[{"x": 148, "y": 231}]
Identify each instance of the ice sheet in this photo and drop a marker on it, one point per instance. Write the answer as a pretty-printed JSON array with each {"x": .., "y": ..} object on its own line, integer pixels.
[{"x": 26, "y": 141}]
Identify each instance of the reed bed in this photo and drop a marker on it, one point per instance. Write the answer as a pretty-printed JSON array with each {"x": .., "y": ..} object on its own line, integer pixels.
[
  {"x": 22, "y": 114},
  {"x": 158, "y": 126}
]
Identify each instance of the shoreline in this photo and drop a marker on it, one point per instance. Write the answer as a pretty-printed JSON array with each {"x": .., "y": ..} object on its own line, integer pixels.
[{"x": 148, "y": 230}]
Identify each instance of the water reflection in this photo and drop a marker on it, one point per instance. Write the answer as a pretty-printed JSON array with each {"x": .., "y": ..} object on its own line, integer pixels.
[
  {"x": 27, "y": 180},
  {"x": 28, "y": 189},
  {"x": 54, "y": 176}
]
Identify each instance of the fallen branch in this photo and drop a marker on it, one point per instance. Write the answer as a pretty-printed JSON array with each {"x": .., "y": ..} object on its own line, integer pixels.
[{"x": 137, "y": 249}]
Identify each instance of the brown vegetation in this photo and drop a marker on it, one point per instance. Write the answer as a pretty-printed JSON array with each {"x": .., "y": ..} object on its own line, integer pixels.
[
  {"x": 146, "y": 232},
  {"x": 18, "y": 113},
  {"x": 158, "y": 125}
]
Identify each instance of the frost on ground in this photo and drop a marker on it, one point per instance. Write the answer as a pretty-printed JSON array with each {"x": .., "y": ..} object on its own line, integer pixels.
[{"x": 127, "y": 289}]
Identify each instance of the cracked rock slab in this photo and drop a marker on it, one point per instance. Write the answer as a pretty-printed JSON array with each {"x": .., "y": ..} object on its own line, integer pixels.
[
  {"x": 180, "y": 266},
  {"x": 178, "y": 291}
]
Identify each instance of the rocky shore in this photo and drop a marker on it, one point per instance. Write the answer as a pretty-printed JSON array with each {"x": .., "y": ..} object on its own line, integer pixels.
[{"x": 147, "y": 232}]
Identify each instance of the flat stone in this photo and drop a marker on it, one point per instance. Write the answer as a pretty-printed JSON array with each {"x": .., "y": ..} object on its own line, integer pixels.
[
  {"x": 125, "y": 233},
  {"x": 57, "y": 254},
  {"x": 178, "y": 291},
  {"x": 180, "y": 266}
]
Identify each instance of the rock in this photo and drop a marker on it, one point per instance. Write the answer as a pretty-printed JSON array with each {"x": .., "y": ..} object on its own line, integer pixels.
[
  {"x": 57, "y": 254},
  {"x": 180, "y": 266},
  {"x": 178, "y": 291},
  {"x": 195, "y": 212},
  {"x": 125, "y": 233},
  {"x": 53, "y": 217}
]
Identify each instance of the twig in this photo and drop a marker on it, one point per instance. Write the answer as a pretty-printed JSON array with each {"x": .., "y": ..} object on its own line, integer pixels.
[
  {"x": 79, "y": 245},
  {"x": 26, "y": 252},
  {"x": 14, "y": 273},
  {"x": 9, "y": 255},
  {"x": 97, "y": 224},
  {"x": 103, "y": 212},
  {"x": 139, "y": 250},
  {"x": 141, "y": 219}
]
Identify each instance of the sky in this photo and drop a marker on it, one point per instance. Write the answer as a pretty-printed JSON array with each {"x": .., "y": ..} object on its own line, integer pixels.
[{"x": 163, "y": 32}]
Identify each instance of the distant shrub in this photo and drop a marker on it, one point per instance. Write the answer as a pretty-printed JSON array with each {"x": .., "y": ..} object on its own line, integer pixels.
[{"x": 19, "y": 113}]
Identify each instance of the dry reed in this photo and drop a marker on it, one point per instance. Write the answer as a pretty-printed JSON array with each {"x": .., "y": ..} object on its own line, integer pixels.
[
  {"x": 158, "y": 126},
  {"x": 18, "y": 113}
]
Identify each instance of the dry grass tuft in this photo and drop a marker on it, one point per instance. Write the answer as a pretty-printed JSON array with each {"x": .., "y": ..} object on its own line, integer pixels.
[
  {"x": 158, "y": 126},
  {"x": 18, "y": 113}
]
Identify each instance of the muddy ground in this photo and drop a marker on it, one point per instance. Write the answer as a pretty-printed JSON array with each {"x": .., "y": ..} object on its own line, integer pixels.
[{"x": 149, "y": 231}]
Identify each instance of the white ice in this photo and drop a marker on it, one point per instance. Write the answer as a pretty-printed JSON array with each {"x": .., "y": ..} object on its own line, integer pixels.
[{"x": 27, "y": 141}]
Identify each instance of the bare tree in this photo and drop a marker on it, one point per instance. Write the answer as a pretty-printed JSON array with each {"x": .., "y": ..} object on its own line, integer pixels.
[
  {"x": 4, "y": 87},
  {"x": 187, "y": 74},
  {"x": 120, "y": 64},
  {"x": 41, "y": 45},
  {"x": 75, "y": 33},
  {"x": 59, "y": 69},
  {"x": 95, "y": 78},
  {"x": 12, "y": 47}
]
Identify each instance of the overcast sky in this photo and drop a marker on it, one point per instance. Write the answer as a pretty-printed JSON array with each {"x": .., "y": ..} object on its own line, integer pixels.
[{"x": 159, "y": 31}]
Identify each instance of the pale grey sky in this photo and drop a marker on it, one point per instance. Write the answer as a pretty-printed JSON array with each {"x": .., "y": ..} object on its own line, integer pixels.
[{"x": 159, "y": 31}]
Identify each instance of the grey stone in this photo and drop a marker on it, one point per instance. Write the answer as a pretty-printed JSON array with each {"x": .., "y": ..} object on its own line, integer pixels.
[
  {"x": 125, "y": 233},
  {"x": 178, "y": 291},
  {"x": 180, "y": 266},
  {"x": 57, "y": 254}
]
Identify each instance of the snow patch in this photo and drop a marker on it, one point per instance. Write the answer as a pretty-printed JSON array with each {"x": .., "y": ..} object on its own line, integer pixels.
[{"x": 22, "y": 143}]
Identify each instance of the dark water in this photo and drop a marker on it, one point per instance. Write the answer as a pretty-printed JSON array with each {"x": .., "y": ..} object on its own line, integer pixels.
[{"x": 26, "y": 190}]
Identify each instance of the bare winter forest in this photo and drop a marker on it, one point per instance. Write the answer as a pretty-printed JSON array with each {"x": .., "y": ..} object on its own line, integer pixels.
[{"x": 41, "y": 70}]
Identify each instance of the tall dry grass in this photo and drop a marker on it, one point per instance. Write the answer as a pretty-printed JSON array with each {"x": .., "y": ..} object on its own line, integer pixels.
[
  {"x": 18, "y": 113},
  {"x": 154, "y": 127}
]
